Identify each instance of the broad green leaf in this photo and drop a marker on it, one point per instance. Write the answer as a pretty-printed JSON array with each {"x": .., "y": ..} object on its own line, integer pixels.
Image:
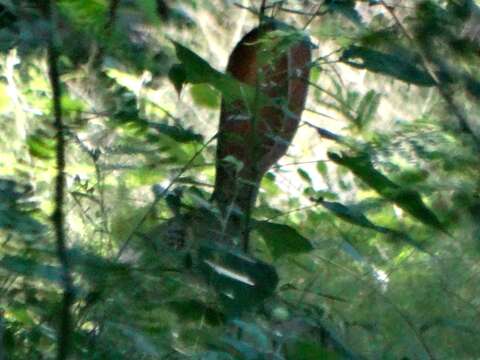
[
  {"x": 350, "y": 215},
  {"x": 408, "y": 200},
  {"x": 177, "y": 77},
  {"x": 394, "y": 65},
  {"x": 197, "y": 71},
  {"x": 282, "y": 239},
  {"x": 204, "y": 95},
  {"x": 361, "y": 166},
  {"x": 355, "y": 217},
  {"x": 412, "y": 203}
]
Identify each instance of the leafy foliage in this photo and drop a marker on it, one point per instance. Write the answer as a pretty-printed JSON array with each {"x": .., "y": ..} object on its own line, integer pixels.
[{"x": 365, "y": 238}]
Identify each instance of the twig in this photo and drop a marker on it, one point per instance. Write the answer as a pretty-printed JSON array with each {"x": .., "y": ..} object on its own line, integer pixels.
[{"x": 112, "y": 15}]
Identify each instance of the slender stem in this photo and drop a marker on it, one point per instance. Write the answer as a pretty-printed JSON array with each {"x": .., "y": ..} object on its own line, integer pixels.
[
  {"x": 58, "y": 216},
  {"x": 112, "y": 14}
]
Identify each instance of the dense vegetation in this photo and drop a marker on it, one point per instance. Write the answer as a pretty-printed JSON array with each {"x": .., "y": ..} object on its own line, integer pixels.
[{"x": 365, "y": 238}]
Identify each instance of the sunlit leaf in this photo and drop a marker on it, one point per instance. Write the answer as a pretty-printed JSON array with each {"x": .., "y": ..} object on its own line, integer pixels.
[
  {"x": 406, "y": 199},
  {"x": 204, "y": 95},
  {"x": 41, "y": 146},
  {"x": 282, "y": 239},
  {"x": 304, "y": 175}
]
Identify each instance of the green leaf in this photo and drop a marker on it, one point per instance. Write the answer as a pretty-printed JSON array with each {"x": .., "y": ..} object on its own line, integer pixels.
[
  {"x": 367, "y": 109},
  {"x": 361, "y": 166},
  {"x": 282, "y": 239},
  {"x": 396, "y": 65},
  {"x": 304, "y": 175},
  {"x": 41, "y": 146},
  {"x": 176, "y": 132},
  {"x": 197, "y": 71},
  {"x": 178, "y": 77},
  {"x": 355, "y": 217},
  {"x": 204, "y": 95},
  {"x": 322, "y": 168},
  {"x": 351, "y": 215},
  {"x": 411, "y": 202},
  {"x": 315, "y": 74},
  {"x": 408, "y": 200},
  {"x": 241, "y": 281}
]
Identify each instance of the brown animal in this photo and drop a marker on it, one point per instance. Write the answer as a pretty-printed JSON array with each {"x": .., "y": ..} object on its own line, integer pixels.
[{"x": 275, "y": 59}]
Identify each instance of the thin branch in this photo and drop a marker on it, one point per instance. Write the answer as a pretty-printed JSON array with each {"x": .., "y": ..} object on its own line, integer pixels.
[{"x": 58, "y": 216}]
